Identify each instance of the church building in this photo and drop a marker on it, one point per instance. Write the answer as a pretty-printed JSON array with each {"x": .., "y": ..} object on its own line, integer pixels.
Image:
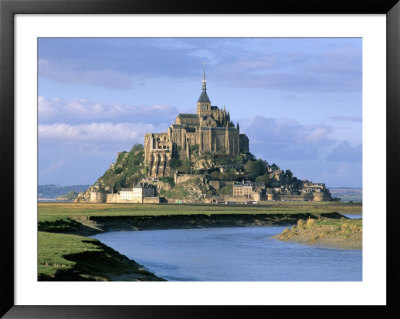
[{"x": 209, "y": 130}]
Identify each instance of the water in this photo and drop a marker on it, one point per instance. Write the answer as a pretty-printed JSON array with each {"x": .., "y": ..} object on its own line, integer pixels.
[
  {"x": 233, "y": 254},
  {"x": 353, "y": 216}
]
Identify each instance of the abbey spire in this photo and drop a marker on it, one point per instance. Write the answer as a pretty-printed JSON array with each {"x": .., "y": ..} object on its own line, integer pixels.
[
  {"x": 203, "y": 103},
  {"x": 204, "y": 78}
]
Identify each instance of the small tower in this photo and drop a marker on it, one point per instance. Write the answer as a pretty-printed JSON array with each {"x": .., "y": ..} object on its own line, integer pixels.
[{"x": 203, "y": 103}]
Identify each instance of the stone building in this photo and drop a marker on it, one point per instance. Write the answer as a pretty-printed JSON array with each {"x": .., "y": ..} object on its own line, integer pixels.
[
  {"x": 209, "y": 130},
  {"x": 244, "y": 189},
  {"x": 140, "y": 193},
  {"x": 142, "y": 190}
]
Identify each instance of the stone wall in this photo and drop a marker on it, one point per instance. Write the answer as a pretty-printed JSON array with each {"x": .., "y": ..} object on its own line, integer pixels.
[
  {"x": 181, "y": 178},
  {"x": 151, "y": 200},
  {"x": 238, "y": 199},
  {"x": 112, "y": 198},
  {"x": 317, "y": 197}
]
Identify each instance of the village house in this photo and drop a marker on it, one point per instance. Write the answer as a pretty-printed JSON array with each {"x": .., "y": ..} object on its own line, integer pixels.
[{"x": 244, "y": 189}]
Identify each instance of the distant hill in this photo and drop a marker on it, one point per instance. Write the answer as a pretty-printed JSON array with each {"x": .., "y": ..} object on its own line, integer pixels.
[
  {"x": 51, "y": 192},
  {"x": 68, "y": 197},
  {"x": 347, "y": 194}
]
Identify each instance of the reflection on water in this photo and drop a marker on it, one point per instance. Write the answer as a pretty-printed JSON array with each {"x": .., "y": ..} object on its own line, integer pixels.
[{"x": 233, "y": 254}]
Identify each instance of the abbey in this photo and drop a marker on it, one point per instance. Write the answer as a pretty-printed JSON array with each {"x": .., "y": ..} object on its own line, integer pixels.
[{"x": 209, "y": 130}]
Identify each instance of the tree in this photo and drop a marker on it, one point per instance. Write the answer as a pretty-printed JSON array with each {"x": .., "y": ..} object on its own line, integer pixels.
[
  {"x": 186, "y": 166},
  {"x": 194, "y": 148},
  {"x": 239, "y": 159},
  {"x": 289, "y": 173},
  {"x": 174, "y": 163},
  {"x": 265, "y": 179},
  {"x": 255, "y": 169},
  {"x": 215, "y": 175},
  {"x": 229, "y": 176},
  {"x": 137, "y": 147}
]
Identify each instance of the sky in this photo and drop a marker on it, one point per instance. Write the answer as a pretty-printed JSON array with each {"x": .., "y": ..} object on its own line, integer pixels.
[{"x": 299, "y": 100}]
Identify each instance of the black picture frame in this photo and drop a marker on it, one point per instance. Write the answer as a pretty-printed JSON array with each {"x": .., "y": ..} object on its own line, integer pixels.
[{"x": 8, "y": 8}]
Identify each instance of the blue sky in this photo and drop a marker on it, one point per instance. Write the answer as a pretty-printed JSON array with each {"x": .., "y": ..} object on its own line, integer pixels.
[{"x": 298, "y": 99}]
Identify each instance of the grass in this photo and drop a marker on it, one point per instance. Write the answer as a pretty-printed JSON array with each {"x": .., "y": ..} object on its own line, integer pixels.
[
  {"x": 54, "y": 211},
  {"x": 72, "y": 257},
  {"x": 52, "y": 249}
]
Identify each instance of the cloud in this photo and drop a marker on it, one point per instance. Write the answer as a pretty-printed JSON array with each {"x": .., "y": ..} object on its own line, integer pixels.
[
  {"x": 53, "y": 167},
  {"x": 290, "y": 97},
  {"x": 103, "y": 133},
  {"x": 106, "y": 78},
  {"x": 81, "y": 111},
  {"x": 344, "y": 152},
  {"x": 345, "y": 118},
  {"x": 292, "y": 65},
  {"x": 296, "y": 81},
  {"x": 113, "y": 63},
  {"x": 298, "y": 65},
  {"x": 286, "y": 139}
]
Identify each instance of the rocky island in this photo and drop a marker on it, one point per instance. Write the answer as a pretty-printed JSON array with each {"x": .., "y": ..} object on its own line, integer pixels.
[{"x": 202, "y": 158}]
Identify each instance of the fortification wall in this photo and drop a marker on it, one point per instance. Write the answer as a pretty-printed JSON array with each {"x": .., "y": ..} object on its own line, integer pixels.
[
  {"x": 151, "y": 200},
  {"x": 181, "y": 178},
  {"x": 112, "y": 198},
  {"x": 302, "y": 197},
  {"x": 237, "y": 199}
]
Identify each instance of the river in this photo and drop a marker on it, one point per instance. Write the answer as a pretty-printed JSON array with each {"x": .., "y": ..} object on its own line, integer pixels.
[{"x": 233, "y": 254}]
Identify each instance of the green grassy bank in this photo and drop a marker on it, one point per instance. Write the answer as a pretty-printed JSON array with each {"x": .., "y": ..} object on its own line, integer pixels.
[
  {"x": 71, "y": 257},
  {"x": 63, "y": 255},
  {"x": 86, "y": 209}
]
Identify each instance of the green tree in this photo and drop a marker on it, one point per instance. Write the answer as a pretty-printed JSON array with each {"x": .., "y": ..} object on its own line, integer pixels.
[
  {"x": 137, "y": 147},
  {"x": 186, "y": 166},
  {"x": 255, "y": 169},
  {"x": 289, "y": 173},
  {"x": 174, "y": 163},
  {"x": 194, "y": 148},
  {"x": 215, "y": 175},
  {"x": 239, "y": 159},
  {"x": 265, "y": 179},
  {"x": 229, "y": 176}
]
